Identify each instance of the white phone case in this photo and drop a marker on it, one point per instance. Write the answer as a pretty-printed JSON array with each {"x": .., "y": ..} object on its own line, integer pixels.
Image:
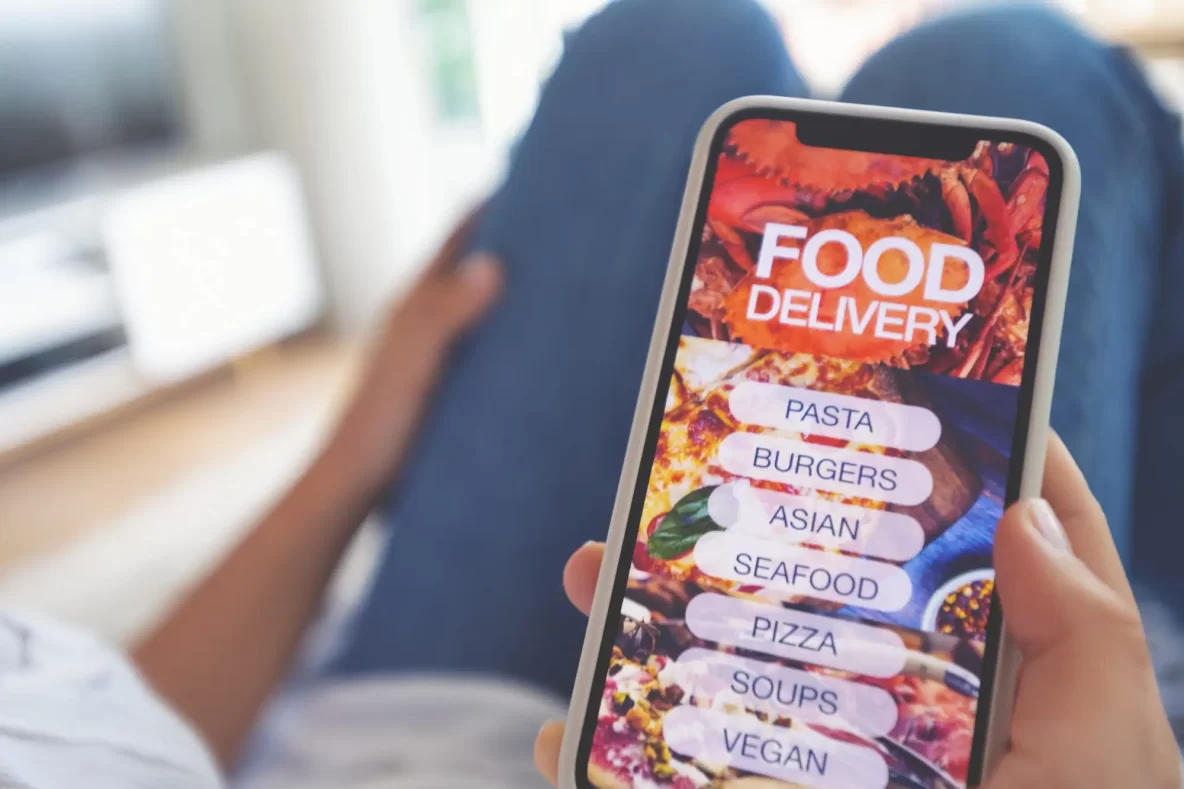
[{"x": 1003, "y": 693}]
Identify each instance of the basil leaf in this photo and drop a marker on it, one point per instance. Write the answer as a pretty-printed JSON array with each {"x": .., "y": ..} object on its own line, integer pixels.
[{"x": 683, "y": 526}]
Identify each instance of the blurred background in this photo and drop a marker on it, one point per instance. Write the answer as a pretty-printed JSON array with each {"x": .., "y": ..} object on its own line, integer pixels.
[{"x": 205, "y": 204}]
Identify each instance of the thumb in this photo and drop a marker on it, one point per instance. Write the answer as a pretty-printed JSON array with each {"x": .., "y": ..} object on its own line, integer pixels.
[{"x": 1051, "y": 598}]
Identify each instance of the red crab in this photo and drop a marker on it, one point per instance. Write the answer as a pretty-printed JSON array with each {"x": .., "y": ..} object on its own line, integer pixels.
[{"x": 767, "y": 175}]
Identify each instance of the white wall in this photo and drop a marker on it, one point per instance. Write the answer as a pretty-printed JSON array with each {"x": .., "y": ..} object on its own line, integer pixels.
[
  {"x": 216, "y": 113},
  {"x": 343, "y": 86},
  {"x": 339, "y": 84},
  {"x": 297, "y": 56}
]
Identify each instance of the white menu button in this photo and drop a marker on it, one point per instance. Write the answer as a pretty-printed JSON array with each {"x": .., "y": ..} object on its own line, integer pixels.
[
  {"x": 855, "y": 419},
  {"x": 797, "y": 635},
  {"x": 798, "y": 755},
  {"x": 722, "y": 678},
  {"x": 847, "y": 472},
  {"x": 808, "y": 572}
]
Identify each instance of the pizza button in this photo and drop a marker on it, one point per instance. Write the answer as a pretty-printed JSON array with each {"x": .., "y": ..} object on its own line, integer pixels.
[{"x": 797, "y": 635}]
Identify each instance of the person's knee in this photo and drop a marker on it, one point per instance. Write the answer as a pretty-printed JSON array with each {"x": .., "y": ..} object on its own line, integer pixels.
[
  {"x": 709, "y": 29},
  {"x": 687, "y": 44},
  {"x": 1012, "y": 59}
]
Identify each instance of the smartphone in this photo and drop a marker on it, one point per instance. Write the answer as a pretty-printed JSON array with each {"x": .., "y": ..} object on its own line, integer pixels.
[{"x": 848, "y": 382}]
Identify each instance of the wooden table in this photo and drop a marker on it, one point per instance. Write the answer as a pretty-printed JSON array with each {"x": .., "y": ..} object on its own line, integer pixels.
[{"x": 54, "y": 493}]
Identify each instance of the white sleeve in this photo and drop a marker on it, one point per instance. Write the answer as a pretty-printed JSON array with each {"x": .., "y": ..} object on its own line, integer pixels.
[{"x": 74, "y": 712}]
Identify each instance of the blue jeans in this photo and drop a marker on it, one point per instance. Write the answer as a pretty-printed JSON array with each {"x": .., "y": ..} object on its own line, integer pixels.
[{"x": 519, "y": 461}]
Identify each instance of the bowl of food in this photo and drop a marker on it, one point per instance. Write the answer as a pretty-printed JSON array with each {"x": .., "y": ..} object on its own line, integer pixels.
[{"x": 960, "y": 607}]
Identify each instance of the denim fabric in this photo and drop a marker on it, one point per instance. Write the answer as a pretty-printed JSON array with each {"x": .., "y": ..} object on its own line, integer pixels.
[
  {"x": 519, "y": 461},
  {"x": 1030, "y": 63}
]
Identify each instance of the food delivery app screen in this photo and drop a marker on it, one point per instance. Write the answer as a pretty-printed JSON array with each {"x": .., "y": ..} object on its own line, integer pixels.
[{"x": 809, "y": 593}]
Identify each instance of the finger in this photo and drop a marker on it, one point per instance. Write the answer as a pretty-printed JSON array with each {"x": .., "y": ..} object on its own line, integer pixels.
[
  {"x": 446, "y": 302},
  {"x": 1017, "y": 773},
  {"x": 546, "y": 751},
  {"x": 1050, "y": 597},
  {"x": 467, "y": 292},
  {"x": 458, "y": 240},
  {"x": 579, "y": 577},
  {"x": 1067, "y": 491}
]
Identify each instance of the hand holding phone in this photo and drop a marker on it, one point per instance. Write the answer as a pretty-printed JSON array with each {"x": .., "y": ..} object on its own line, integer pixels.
[
  {"x": 1088, "y": 711},
  {"x": 1060, "y": 599},
  {"x": 849, "y": 379}
]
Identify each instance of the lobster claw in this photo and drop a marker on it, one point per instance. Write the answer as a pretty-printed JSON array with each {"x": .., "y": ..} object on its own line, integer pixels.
[
  {"x": 999, "y": 230},
  {"x": 1026, "y": 203},
  {"x": 744, "y": 201},
  {"x": 957, "y": 201}
]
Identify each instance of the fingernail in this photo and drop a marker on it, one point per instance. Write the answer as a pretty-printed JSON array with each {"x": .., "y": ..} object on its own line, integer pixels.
[
  {"x": 1048, "y": 526},
  {"x": 476, "y": 261},
  {"x": 478, "y": 271}
]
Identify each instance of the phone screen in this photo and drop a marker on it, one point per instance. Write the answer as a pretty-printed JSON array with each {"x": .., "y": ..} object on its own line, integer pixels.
[{"x": 807, "y": 593}]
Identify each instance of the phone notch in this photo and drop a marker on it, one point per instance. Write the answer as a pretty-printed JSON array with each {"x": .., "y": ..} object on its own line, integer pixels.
[{"x": 875, "y": 135}]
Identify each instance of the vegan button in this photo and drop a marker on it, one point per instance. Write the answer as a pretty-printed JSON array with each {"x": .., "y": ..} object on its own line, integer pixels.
[{"x": 800, "y": 756}]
